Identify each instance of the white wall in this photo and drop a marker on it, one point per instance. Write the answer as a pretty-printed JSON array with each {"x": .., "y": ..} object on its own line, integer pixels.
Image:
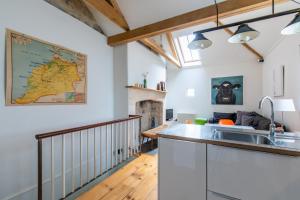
[
  {"x": 130, "y": 62},
  {"x": 141, "y": 60},
  {"x": 178, "y": 81},
  {"x": 286, "y": 53},
  {"x": 18, "y": 125}
]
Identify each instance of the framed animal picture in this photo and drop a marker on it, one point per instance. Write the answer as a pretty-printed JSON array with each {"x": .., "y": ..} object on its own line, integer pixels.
[{"x": 227, "y": 90}]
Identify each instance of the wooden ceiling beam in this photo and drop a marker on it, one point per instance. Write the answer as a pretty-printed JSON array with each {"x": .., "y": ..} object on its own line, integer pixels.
[
  {"x": 110, "y": 12},
  {"x": 117, "y": 8},
  {"x": 247, "y": 46},
  {"x": 203, "y": 15},
  {"x": 78, "y": 10},
  {"x": 156, "y": 48},
  {"x": 172, "y": 44},
  {"x": 115, "y": 4}
]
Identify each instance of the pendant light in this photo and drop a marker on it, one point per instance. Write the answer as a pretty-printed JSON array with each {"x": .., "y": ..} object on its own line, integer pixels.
[
  {"x": 293, "y": 27},
  {"x": 200, "y": 42},
  {"x": 243, "y": 34}
]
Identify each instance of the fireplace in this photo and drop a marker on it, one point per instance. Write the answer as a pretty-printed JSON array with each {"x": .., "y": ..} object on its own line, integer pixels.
[
  {"x": 148, "y": 103},
  {"x": 151, "y": 112}
]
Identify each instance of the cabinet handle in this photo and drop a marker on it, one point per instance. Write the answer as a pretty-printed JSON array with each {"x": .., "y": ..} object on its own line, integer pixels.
[{"x": 224, "y": 196}]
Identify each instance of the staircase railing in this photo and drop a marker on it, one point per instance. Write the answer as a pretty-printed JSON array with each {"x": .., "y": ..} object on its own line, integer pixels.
[{"x": 70, "y": 159}]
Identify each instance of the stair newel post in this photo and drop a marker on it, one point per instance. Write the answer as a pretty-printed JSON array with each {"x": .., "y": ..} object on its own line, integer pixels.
[
  {"x": 40, "y": 169},
  {"x": 140, "y": 133}
]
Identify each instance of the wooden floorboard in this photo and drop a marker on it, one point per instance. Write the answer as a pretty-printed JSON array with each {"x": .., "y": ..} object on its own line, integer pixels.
[{"x": 135, "y": 181}]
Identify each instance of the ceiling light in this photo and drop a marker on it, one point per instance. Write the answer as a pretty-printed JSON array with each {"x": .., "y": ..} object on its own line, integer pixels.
[
  {"x": 200, "y": 42},
  {"x": 243, "y": 34},
  {"x": 293, "y": 27}
]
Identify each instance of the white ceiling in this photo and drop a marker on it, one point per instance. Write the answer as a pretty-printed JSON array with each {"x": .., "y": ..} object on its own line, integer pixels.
[
  {"x": 143, "y": 12},
  {"x": 269, "y": 29}
]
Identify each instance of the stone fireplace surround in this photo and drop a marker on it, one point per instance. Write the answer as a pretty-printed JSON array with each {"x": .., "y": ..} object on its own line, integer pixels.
[
  {"x": 151, "y": 112},
  {"x": 154, "y": 100}
]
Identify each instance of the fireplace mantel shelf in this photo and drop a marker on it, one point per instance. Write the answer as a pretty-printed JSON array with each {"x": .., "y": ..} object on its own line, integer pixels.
[{"x": 146, "y": 89}]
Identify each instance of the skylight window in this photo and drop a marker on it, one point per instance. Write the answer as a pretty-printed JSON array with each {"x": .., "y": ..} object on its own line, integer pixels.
[{"x": 187, "y": 56}]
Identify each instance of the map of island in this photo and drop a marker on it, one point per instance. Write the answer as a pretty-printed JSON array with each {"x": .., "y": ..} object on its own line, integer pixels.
[
  {"x": 52, "y": 78},
  {"x": 39, "y": 72}
]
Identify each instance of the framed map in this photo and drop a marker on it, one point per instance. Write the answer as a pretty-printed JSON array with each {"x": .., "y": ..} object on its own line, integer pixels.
[{"x": 38, "y": 72}]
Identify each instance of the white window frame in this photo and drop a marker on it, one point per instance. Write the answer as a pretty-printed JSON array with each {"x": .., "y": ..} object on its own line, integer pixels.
[{"x": 180, "y": 49}]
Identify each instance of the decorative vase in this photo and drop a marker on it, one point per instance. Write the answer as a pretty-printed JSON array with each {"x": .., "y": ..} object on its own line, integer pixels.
[
  {"x": 145, "y": 79},
  {"x": 145, "y": 83}
]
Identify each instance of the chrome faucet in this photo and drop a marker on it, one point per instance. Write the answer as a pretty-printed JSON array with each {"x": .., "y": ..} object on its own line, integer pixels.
[{"x": 272, "y": 125}]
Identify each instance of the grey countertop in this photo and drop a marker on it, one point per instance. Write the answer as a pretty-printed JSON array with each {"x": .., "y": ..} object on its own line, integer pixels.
[{"x": 285, "y": 144}]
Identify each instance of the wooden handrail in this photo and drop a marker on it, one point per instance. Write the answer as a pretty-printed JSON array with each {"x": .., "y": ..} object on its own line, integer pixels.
[{"x": 70, "y": 130}]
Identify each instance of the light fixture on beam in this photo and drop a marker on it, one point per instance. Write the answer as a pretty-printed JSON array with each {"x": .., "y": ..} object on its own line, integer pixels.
[
  {"x": 199, "y": 42},
  {"x": 243, "y": 34},
  {"x": 293, "y": 27},
  {"x": 251, "y": 33}
]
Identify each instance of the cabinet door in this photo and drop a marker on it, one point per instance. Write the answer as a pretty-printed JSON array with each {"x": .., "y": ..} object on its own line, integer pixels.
[
  {"x": 182, "y": 170},
  {"x": 252, "y": 175},
  {"x": 218, "y": 196}
]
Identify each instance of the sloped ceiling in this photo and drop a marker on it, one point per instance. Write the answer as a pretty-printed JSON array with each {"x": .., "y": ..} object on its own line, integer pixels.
[
  {"x": 269, "y": 29},
  {"x": 222, "y": 52},
  {"x": 225, "y": 52},
  {"x": 143, "y": 12}
]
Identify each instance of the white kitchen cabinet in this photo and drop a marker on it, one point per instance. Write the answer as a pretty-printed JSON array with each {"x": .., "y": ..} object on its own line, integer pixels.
[
  {"x": 181, "y": 170},
  {"x": 252, "y": 175},
  {"x": 218, "y": 196}
]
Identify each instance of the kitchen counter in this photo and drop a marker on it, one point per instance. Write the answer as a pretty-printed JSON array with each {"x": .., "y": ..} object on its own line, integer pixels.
[{"x": 284, "y": 144}]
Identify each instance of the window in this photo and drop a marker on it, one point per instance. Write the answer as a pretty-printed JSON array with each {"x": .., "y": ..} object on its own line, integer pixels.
[{"x": 187, "y": 56}]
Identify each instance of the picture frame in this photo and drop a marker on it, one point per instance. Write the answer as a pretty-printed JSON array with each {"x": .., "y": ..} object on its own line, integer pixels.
[
  {"x": 278, "y": 81},
  {"x": 227, "y": 90},
  {"x": 43, "y": 73}
]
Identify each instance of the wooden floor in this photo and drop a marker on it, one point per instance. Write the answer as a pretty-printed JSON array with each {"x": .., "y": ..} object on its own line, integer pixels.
[{"x": 136, "y": 181}]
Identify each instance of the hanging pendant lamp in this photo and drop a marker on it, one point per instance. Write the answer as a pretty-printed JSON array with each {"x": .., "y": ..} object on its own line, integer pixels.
[
  {"x": 200, "y": 42},
  {"x": 293, "y": 27},
  {"x": 243, "y": 34}
]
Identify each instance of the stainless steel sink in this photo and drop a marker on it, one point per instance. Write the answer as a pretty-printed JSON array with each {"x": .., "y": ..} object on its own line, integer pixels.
[{"x": 242, "y": 137}]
